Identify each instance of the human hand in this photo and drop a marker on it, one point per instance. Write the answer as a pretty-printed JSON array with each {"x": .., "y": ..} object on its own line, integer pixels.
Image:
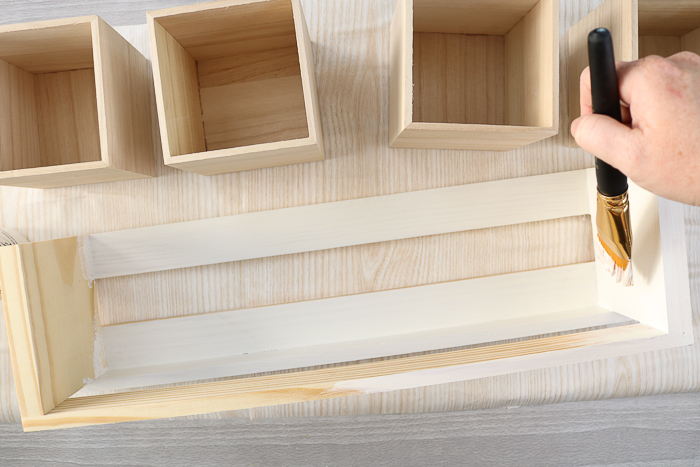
[{"x": 658, "y": 145}]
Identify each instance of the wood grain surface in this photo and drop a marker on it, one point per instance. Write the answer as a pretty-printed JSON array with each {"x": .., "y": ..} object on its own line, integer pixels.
[
  {"x": 351, "y": 47},
  {"x": 657, "y": 431}
]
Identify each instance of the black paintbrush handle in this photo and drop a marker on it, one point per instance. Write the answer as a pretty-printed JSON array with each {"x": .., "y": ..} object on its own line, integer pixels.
[{"x": 606, "y": 101}]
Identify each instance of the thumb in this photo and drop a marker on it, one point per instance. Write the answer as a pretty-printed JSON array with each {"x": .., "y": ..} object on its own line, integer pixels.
[{"x": 607, "y": 139}]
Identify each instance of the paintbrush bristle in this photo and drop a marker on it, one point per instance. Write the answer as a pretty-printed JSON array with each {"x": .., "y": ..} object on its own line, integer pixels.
[{"x": 619, "y": 268}]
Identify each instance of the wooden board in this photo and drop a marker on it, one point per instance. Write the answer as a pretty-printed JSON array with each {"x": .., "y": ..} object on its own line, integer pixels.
[{"x": 360, "y": 166}]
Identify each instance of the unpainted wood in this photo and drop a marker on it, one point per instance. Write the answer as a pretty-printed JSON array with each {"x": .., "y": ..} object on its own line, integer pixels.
[
  {"x": 32, "y": 383},
  {"x": 668, "y": 17},
  {"x": 243, "y": 68},
  {"x": 664, "y": 46},
  {"x": 618, "y": 16},
  {"x": 244, "y": 158},
  {"x": 474, "y": 137},
  {"x": 44, "y": 290},
  {"x": 254, "y": 112},
  {"x": 67, "y": 118},
  {"x": 436, "y": 117},
  {"x": 89, "y": 120},
  {"x": 458, "y": 78},
  {"x": 691, "y": 41},
  {"x": 177, "y": 94},
  {"x": 19, "y": 137},
  {"x": 250, "y": 86},
  {"x": 308, "y": 81},
  {"x": 246, "y": 26},
  {"x": 532, "y": 68},
  {"x": 83, "y": 173},
  {"x": 479, "y": 17},
  {"x": 48, "y": 46},
  {"x": 124, "y": 93},
  {"x": 400, "y": 70}
]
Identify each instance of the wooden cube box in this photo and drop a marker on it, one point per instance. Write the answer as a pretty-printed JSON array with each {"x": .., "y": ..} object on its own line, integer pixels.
[
  {"x": 75, "y": 106},
  {"x": 639, "y": 28},
  {"x": 235, "y": 86},
  {"x": 474, "y": 74}
]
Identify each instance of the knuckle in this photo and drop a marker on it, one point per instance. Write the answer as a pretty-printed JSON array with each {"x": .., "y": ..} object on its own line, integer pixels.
[
  {"x": 687, "y": 56},
  {"x": 656, "y": 65}
]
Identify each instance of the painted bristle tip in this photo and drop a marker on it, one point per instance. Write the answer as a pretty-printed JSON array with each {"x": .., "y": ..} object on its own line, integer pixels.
[{"x": 620, "y": 269}]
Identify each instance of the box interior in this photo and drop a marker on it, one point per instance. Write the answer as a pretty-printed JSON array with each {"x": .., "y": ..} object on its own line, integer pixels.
[
  {"x": 482, "y": 62},
  {"x": 669, "y": 27},
  {"x": 49, "y": 114},
  {"x": 240, "y": 67}
]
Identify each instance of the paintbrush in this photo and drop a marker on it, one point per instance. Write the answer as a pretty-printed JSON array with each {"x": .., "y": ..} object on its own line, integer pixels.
[{"x": 614, "y": 246}]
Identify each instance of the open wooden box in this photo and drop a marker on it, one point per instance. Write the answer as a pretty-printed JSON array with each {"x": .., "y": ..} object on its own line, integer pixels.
[
  {"x": 474, "y": 74},
  {"x": 639, "y": 28},
  {"x": 235, "y": 86},
  {"x": 70, "y": 371},
  {"x": 77, "y": 105}
]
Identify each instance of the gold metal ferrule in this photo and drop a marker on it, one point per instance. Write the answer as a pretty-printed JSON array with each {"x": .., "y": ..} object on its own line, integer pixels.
[{"x": 614, "y": 228}]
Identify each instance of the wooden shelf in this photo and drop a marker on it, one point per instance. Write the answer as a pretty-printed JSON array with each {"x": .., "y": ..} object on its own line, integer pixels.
[{"x": 67, "y": 366}]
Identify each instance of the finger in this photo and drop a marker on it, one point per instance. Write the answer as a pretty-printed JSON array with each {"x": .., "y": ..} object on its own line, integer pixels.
[
  {"x": 607, "y": 139},
  {"x": 586, "y": 97},
  {"x": 626, "y": 76}
]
